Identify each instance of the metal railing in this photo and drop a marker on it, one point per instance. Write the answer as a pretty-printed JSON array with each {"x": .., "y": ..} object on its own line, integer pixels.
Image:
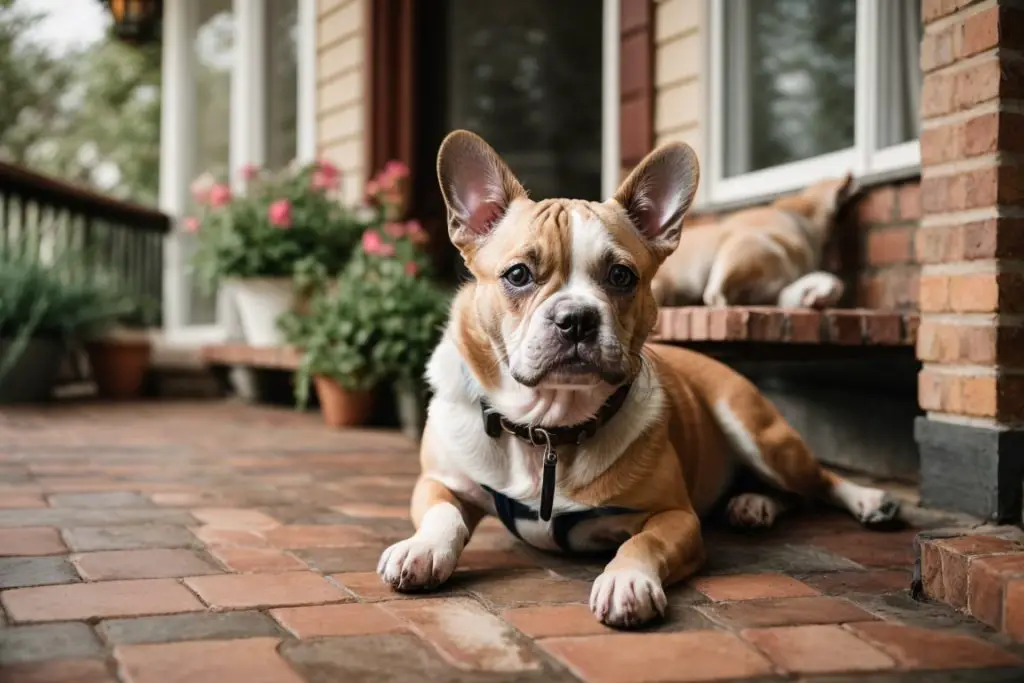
[{"x": 48, "y": 216}]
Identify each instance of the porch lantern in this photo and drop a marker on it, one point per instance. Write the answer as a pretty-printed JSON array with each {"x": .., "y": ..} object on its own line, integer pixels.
[{"x": 136, "y": 21}]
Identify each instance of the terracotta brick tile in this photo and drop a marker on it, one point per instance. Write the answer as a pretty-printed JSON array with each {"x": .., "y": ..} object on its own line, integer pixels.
[
  {"x": 42, "y": 642},
  {"x": 213, "y": 536},
  {"x": 28, "y": 541},
  {"x": 919, "y": 648},
  {"x": 373, "y": 510},
  {"x": 817, "y": 650},
  {"x": 518, "y": 588},
  {"x": 128, "y": 537},
  {"x": 20, "y": 572},
  {"x": 21, "y": 501},
  {"x": 192, "y": 626},
  {"x": 477, "y": 559},
  {"x": 336, "y": 560},
  {"x": 874, "y": 581},
  {"x": 752, "y": 587},
  {"x": 326, "y": 536},
  {"x": 1013, "y": 609},
  {"x": 62, "y": 671},
  {"x": 785, "y": 612},
  {"x": 367, "y": 586},
  {"x": 158, "y": 563},
  {"x": 256, "y": 559},
  {"x": 241, "y": 591},
  {"x": 113, "y": 499},
  {"x": 91, "y": 600},
  {"x": 872, "y": 549},
  {"x": 979, "y": 544},
  {"x": 985, "y": 579},
  {"x": 554, "y": 621},
  {"x": 466, "y": 634},
  {"x": 186, "y": 499},
  {"x": 253, "y": 660},
  {"x": 351, "y": 619},
  {"x": 658, "y": 657},
  {"x": 235, "y": 519}
]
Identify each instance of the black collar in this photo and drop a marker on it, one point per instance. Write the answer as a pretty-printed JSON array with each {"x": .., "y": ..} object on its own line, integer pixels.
[
  {"x": 552, "y": 437},
  {"x": 573, "y": 435}
]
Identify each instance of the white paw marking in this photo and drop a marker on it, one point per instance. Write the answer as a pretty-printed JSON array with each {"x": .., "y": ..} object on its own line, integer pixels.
[
  {"x": 814, "y": 290},
  {"x": 869, "y": 505},
  {"x": 415, "y": 564},
  {"x": 753, "y": 511},
  {"x": 428, "y": 558},
  {"x": 626, "y": 598}
]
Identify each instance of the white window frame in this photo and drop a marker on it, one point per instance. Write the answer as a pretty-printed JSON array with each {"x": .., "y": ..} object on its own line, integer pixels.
[
  {"x": 247, "y": 134},
  {"x": 874, "y": 46}
]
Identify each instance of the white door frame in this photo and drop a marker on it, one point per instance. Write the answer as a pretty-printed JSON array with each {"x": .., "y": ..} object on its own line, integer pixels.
[
  {"x": 611, "y": 159},
  {"x": 247, "y": 133}
]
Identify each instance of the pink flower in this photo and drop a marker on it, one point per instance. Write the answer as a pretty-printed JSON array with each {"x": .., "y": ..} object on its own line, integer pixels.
[
  {"x": 416, "y": 233},
  {"x": 327, "y": 168},
  {"x": 372, "y": 188},
  {"x": 250, "y": 172},
  {"x": 386, "y": 249},
  {"x": 394, "y": 230},
  {"x": 325, "y": 181},
  {"x": 411, "y": 268},
  {"x": 395, "y": 170},
  {"x": 191, "y": 224},
  {"x": 280, "y": 213},
  {"x": 220, "y": 195},
  {"x": 201, "y": 187},
  {"x": 372, "y": 242}
]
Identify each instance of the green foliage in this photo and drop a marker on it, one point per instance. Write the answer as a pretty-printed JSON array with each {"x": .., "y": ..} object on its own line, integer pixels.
[
  {"x": 43, "y": 301},
  {"x": 284, "y": 223},
  {"x": 90, "y": 116}
]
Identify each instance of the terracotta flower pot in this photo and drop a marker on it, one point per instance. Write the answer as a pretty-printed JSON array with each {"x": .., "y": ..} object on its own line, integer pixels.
[
  {"x": 341, "y": 407},
  {"x": 119, "y": 366}
]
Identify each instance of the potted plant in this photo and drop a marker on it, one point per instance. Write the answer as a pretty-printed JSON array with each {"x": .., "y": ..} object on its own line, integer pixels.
[
  {"x": 119, "y": 357},
  {"x": 42, "y": 311},
  {"x": 253, "y": 241},
  {"x": 335, "y": 336}
]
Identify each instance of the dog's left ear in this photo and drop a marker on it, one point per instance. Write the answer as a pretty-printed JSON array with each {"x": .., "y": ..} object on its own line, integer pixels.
[{"x": 658, "y": 192}]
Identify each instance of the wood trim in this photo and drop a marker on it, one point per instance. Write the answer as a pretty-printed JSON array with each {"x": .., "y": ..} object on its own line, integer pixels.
[
  {"x": 636, "y": 81},
  {"x": 390, "y": 105}
]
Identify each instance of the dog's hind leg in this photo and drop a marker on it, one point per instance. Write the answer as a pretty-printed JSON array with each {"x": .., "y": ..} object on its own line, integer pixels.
[{"x": 767, "y": 444}]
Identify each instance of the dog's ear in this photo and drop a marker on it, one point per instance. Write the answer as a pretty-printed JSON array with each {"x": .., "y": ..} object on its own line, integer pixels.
[
  {"x": 658, "y": 192},
  {"x": 477, "y": 186}
]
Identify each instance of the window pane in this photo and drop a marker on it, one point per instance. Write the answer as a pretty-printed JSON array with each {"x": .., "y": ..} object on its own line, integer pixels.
[
  {"x": 789, "y": 80},
  {"x": 214, "y": 45},
  {"x": 526, "y": 75},
  {"x": 281, "y": 82},
  {"x": 899, "y": 72}
]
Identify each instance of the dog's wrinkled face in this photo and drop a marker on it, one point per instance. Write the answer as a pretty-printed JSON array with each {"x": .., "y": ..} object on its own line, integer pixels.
[{"x": 563, "y": 286}]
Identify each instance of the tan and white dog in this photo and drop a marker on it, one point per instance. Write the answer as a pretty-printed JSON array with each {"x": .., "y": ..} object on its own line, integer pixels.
[
  {"x": 552, "y": 413},
  {"x": 765, "y": 256}
]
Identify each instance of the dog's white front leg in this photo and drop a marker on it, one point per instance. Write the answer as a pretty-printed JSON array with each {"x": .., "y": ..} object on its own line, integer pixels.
[{"x": 444, "y": 525}]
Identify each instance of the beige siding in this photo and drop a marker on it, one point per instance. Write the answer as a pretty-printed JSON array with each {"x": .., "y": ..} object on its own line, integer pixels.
[
  {"x": 678, "y": 64},
  {"x": 341, "y": 89}
]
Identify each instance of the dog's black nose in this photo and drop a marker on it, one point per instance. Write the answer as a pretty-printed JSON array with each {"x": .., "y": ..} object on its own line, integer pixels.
[{"x": 577, "y": 324}]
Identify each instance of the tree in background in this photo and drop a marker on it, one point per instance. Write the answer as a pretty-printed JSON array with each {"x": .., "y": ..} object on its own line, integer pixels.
[{"x": 90, "y": 116}]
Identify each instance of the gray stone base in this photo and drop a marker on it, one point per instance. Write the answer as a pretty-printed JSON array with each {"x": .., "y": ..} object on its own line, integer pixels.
[{"x": 977, "y": 470}]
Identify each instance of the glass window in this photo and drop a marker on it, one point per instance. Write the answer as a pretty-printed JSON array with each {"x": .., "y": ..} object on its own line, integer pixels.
[
  {"x": 281, "y": 85},
  {"x": 526, "y": 75},
  {"x": 790, "y": 81}
]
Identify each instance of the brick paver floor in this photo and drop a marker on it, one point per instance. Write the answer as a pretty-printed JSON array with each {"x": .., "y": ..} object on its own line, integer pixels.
[{"x": 199, "y": 543}]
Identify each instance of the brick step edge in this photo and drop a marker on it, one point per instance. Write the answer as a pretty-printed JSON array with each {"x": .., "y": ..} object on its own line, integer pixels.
[
  {"x": 274, "y": 357},
  {"x": 847, "y": 327},
  {"x": 981, "y": 574}
]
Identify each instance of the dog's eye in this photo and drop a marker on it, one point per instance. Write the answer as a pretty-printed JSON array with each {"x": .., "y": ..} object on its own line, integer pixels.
[
  {"x": 518, "y": 276},
  {"x": 621, "y": 277}
]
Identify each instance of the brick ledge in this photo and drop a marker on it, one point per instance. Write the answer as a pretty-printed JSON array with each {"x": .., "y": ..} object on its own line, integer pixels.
[{"x": 845, "y": 327}]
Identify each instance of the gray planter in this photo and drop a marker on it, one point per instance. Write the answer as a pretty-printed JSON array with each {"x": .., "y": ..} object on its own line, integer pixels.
[
  {"x": 411, "y": 400},
  {"x": 31, "y": 378}
]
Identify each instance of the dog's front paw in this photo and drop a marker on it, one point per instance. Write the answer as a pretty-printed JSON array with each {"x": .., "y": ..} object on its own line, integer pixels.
[
  {"x": 626, "y": 598},
  {"x": 416, "y": 564}
]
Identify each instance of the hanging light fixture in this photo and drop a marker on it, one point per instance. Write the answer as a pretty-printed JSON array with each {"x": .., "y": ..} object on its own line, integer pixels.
[{"x": 136, "y": 21}]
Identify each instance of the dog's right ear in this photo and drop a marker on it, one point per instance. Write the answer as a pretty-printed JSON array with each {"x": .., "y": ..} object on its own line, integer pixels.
[{"x": 477, "y": 186}]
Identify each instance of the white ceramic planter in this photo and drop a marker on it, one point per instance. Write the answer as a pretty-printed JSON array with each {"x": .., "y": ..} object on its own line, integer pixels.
[{"x": 260, "y": 302}]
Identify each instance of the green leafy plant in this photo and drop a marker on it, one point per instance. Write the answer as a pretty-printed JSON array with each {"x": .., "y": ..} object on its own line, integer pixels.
[
  {"x": 281, "y": 220},
  {"x": 44, "y": 302}
]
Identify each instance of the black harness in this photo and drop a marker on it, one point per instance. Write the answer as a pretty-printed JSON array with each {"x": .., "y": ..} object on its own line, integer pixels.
[{"x": 551, "y": 438}]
